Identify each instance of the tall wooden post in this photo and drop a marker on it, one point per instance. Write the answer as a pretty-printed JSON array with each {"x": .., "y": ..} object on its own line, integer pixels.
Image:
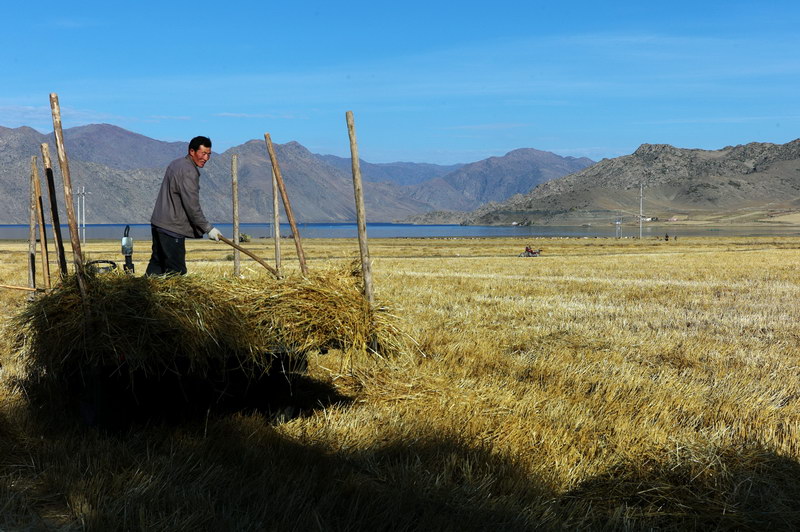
[
  {"x": 276, "y": 222},
  {"x": 37, "y": 190},
  {"x": 54, "y": 217},
  {"x": 77, "y": 254},
  {"x": 32, "y": 231},
  {"x": 286, "y": 205},
  {"x": 366, "y": 267},
  {"x": 237, "y": 256}
]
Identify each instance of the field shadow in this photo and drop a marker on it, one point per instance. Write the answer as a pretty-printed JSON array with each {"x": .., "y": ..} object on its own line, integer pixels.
[
  {"x": 238, "y": 472},
  {"x": 244, "y": 475},
  {"x": 730, "y": 488},
  {"x": 116, "y": 399}
]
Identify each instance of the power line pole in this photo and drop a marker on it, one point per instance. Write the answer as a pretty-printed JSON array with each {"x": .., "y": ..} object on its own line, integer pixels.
[
  {"x": 78, "y": 212},
  {"x": 641, "y": 208},
  {"x": 82, "y": 213}
]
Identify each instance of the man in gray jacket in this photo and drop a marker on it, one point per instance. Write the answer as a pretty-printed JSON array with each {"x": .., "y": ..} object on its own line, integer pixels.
[{"x": 177, "y": 214}]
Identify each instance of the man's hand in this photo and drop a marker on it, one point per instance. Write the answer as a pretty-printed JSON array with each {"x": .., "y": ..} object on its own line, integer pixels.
[{"x": 214, "y": 234}]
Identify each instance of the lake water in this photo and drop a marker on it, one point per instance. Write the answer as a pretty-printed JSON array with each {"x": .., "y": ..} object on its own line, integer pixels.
[{"x": 386, "y": 230}]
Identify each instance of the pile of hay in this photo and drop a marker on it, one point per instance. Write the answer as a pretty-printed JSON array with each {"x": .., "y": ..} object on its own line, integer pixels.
[{"x": 193, "y": 325}]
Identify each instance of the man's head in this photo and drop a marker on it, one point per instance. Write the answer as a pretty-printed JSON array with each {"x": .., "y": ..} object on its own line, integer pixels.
[{"x": 200, "y": 150}]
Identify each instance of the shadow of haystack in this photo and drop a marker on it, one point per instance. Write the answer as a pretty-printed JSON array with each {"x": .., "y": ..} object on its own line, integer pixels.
[
  {"x": 697, "y": 487},
  {"x": 138, "y": 348},
  {"x": 115, "y": 398},
  {"x": 245, "y": 475}
]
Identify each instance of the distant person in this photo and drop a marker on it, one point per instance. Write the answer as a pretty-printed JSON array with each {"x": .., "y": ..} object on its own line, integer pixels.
[
  {"x": 177, "y": 214},
  {"x": 666, "y": 237}
]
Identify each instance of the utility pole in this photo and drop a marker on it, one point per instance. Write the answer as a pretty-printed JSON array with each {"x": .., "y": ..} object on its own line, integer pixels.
[
  {"x": 641, "y": 208},
  {"x": 80, "y": 193},
  {"x": 82, "y": 213}
]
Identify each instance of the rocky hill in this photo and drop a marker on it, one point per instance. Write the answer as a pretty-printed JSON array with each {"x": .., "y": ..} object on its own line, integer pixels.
[
  {"x": 318, "y": 192},
  {"x": 122, "y": 171},
  {"x": 751, "y": 182},
  {"x": 119, "y": 193},
  {"x": 402, "y": 174},
  {"x": 498, "y": 178},
  {"x": 464, "y": 187},
  {"x": 118, "y": 148}
]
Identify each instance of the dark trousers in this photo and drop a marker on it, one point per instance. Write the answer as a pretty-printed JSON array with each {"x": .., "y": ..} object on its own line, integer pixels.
[{"x": 169, "y": 254}]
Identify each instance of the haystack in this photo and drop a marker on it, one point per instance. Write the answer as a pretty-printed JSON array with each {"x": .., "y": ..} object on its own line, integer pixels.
[{"x": 190, "y": 332}]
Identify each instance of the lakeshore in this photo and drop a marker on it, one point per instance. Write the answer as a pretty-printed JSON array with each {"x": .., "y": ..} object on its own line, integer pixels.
[{"x": 391, "y": 230}]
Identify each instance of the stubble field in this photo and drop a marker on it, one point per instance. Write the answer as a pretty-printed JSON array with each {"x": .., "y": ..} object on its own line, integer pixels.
[{"x": 616, "y": 384}]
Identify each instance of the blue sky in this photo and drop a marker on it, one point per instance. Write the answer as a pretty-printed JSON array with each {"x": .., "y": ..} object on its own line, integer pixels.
[{"x": 439, "y": 82}]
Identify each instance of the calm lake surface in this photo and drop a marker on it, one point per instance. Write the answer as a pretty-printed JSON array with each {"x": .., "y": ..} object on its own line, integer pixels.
[{"x": 386, "y": 230}]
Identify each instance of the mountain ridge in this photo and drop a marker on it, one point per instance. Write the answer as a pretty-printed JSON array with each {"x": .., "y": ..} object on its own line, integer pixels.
[
  {"x": 122, "y": 171},
  {"x": 400, "y": 173},
  {"x": 747, "y": 182}
]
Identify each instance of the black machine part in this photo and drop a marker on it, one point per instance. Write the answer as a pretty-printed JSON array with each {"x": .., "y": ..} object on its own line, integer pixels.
[{"x": 127, "y": 250}]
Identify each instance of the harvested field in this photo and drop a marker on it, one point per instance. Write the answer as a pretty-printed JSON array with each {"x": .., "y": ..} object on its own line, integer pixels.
[{"x": 605, "y": 384}]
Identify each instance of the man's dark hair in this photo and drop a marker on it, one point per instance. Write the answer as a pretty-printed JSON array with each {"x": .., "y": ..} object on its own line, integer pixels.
[{"x": 196, "y": 142}]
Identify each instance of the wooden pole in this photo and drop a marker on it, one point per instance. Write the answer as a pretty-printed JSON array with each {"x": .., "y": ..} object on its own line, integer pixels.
[
  {"x": 286, "y": 205},
  {"x": 276, "y": 223},
  {"x": 37, "y": 186},
  {"x": 63, "y": 162},
  {"x": 74, "y": 236},
  {"x": 26, "y": 288},
  {"x": 249, "y": 254},
  {"x": 32, "y": 231},
  {"x": 237, "y": 256},
  {"x": 366, "y": 267},
  {"x": 54, "y": 220}
]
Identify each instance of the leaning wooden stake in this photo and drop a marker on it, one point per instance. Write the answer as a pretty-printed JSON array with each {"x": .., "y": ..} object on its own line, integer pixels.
[
  {"x": 237, "y": 257},
  {"x": 366, "y": 268},
  {"x": 37, "y": 187},
  {"x": 250, "y": 254},
  {"x": 26, "y": 288},
  {"x": 286, "y": 205},
  {"x": 276, "y": 223},
  {"x": 32, "y": 231},
  {"x": 54, "y": 219},
  {"x": 77, "y": 255}
]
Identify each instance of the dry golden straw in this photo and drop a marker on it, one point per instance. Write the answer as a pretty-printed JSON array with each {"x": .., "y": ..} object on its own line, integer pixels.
[{"x": 149, "y": 322}]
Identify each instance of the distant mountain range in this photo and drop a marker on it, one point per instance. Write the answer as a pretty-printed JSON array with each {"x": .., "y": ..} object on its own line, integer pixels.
[
  {"x": 402, "y": 174},
  {"x": 122, "y": 171},
  {"x": 496, "y": 178},
  {"x": 747, "y": 183}
]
